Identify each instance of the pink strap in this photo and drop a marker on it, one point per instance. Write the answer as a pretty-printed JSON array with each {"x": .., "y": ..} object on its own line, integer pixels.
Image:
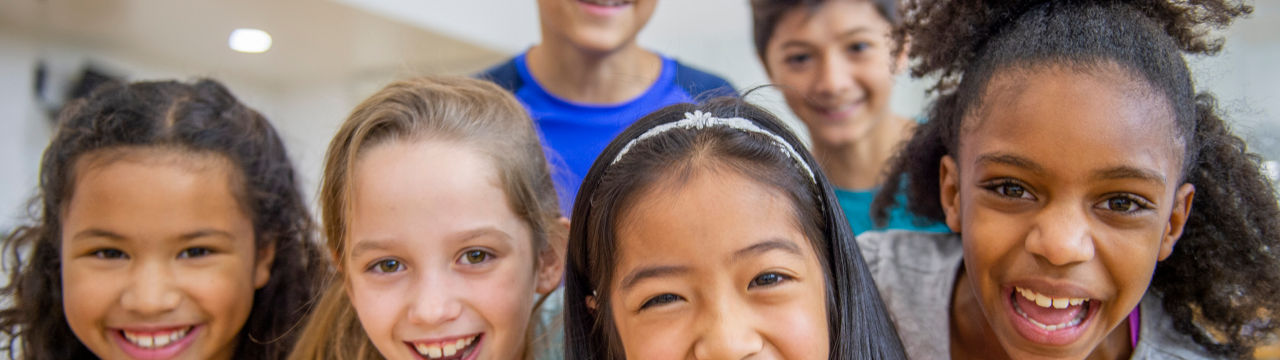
[{"x": 1135, "y": 324}]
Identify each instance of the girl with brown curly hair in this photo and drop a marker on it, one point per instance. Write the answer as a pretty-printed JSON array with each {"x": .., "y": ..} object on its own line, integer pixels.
[
  {"x": 171, "y": 227},
  {"x": 1101, "y": 207}
]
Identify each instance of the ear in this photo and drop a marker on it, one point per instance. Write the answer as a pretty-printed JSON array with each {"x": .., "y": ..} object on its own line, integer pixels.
[
  {"x": 591, "y": 302},
  {"x": 551, "y": 260},
  {"x": 262, "y": 267},
  {"x": 949, "y": 191},
  {"x": 901, "y": 61},
  {"x": 1177, "y": 219}
]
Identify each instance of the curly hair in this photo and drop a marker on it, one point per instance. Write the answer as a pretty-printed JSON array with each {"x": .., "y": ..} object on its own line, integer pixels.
[
  {"x": 202, "y": 117},
  {"x": 1220, "y": 283}
]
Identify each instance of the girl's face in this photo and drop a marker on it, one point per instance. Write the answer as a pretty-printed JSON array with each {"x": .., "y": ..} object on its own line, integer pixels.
[
  {"x": 835, "y": 68},
  {"x": 1067, "y": 192},
  {"x": 595, "y": 25},
  {"x": 716, "y": 267},
  {"x": 158, "y": 257},
  {"x": 437, "y": 264}
]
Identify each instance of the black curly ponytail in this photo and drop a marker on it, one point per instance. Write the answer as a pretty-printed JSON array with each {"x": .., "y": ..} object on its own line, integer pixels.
[{"x": 1220, "y": 284}]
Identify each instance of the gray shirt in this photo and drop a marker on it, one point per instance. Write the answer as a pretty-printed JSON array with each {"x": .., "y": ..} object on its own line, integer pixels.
[{"x": 916, "y": 275}]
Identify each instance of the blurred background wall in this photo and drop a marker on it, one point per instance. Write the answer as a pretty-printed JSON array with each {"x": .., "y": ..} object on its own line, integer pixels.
[{"x": 327, "y": 55}]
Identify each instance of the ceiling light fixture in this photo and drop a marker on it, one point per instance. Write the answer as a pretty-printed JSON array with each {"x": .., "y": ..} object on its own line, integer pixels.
[{"x": 251, "y": 41}]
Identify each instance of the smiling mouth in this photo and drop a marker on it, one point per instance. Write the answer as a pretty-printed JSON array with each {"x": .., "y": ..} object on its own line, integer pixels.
[
  {"x": 447, "y": 350},
  {"x": 155, "y": 339},
  {"x": 609, "y": 3},
  {"x": 1049, "y": 313}
]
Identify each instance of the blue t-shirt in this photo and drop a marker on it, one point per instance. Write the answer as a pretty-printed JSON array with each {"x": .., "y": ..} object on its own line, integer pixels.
[
  {"x": 857, "y": 209},
  {"x": 574, "y": 134}
]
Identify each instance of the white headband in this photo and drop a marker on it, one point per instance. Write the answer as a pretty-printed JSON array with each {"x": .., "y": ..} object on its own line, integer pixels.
[{"x": 699, "y": 120}]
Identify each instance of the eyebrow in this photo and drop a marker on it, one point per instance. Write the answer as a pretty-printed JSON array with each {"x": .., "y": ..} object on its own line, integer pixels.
[
  {"x": 100, "y": 233},
  {"x": 650, "y": 272},
  {"x": 850, "y": 32},
  {"x": 364, "y": 245},
  {"x": 1011, "y": 160},
  {"x": 97, "y": 233},
  {"x": 671, "y": 270},
  {"x": 480, "y": 232},
  {"x": 766, "y": 246},
  {"x": 1129, "y": 172}
]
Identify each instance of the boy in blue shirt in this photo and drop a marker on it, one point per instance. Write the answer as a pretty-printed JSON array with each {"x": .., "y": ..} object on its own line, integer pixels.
[{"x": 588, "y": 80}]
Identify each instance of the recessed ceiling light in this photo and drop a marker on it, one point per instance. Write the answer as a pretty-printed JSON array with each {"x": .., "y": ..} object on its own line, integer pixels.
[{"x": 252, "y": 41}]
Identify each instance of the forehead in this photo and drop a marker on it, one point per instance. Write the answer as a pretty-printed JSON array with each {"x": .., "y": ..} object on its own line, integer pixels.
[
  {"x": 136, "y": 186},
  {"x": 828, "y": 21},
  {"x": 712, "y": 214},
  {"x": 1097, "y": 116},
  {"x": 427, "y": 189}
]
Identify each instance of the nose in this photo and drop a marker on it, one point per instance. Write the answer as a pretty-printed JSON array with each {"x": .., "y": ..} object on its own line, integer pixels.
[
  {"x": 435, "y": 301},
  {"x": 834, "y": 76},
  {"x": 726, "y": 333},
  {"x": 152, "y": 289},
  {"x": 1062, "y": 235}
]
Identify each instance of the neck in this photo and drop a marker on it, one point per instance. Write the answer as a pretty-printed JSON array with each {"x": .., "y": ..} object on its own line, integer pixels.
[
  {"x": 594, "y": 77},
  {"x": 971, "y": 334},
  {"x": 860, "y": 164}
]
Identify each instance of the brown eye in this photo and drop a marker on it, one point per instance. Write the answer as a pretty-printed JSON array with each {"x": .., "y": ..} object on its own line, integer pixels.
[
  {"x": 659, "y": 300},
  {"x": 768, "y": 279},
  {"x": 472, "y": 257},
  {"x": 1121, "y": 204},
  {"x": 108, "y": 254},
  {"x": 387, "y": 266},
  {"x": 1124, "y": 204},
  {"x": 1011, "y": 190}
]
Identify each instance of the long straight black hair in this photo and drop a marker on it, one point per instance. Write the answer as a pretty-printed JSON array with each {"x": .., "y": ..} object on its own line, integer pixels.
[{"x": 858, "y": 325}]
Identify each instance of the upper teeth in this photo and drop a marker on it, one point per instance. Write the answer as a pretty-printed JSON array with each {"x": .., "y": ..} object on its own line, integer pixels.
[
  {"x": 1046, "y": 302},
  {"x": 439, "y": 350},
  {"x": 155, "y": 340}
]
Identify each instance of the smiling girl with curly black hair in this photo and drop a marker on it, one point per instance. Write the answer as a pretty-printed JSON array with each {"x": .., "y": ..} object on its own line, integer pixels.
[{"x": 1101, "y": 207}]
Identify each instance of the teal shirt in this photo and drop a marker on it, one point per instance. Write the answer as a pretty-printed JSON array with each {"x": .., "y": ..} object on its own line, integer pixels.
[{"x": 857, "y": 209}]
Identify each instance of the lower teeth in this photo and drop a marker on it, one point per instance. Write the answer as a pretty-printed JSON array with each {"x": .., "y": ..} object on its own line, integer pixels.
[{"x": 1068, "y": 324}]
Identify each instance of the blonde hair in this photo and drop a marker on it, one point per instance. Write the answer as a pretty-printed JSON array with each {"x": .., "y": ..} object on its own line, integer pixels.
[{"x": 456, "y": 109}]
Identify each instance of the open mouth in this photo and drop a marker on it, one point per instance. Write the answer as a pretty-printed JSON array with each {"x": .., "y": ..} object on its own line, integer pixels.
[
  {"x": 609, "y": 3},
  {"x": 455, "y": 349},
  {"x": 1048, "y": 319},
  {"x": 150, "y": 340}
]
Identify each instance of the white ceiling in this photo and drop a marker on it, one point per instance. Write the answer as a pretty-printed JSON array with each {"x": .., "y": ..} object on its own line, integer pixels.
[{"x": 313, "y": 39}]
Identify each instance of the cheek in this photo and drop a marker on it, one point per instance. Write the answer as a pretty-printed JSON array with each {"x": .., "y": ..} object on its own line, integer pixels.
[
  {"x": 877, "y": 81},
  {"x": 224, "y": 292},
  {"x": 88, "y": 296},
  {"x": 504, "y": 301},
  {"x": 666, "y": 339},
  {"x": 799, "y": 331},
  {"x": 378, "y": 306}
]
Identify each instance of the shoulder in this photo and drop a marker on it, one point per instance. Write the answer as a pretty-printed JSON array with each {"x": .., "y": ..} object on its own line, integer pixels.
[
  {"x": 506, "y": 75},
  {"x": 699, "y": 84},
  {"x": 915, "y": 273},
  {"x": 921, "y": 252},
  {"x": 1159, "y": 339}
]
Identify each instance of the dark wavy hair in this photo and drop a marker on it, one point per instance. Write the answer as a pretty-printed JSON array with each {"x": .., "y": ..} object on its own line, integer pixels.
[
  {"x": 1220, "y": 284},
  {"x": 858, "y": 324},
  {"x": 765, "y": 15},
  {"x": 202, "y": 117}
]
